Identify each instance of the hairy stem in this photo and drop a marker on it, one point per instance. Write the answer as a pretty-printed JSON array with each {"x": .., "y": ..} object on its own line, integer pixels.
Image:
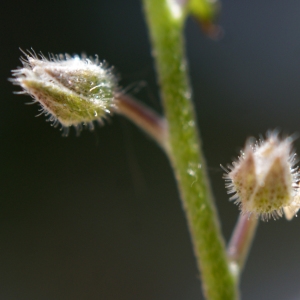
[
  {"x": 143, "y": 117},
  {"x": 241, "y": 241},
  {"x": 165, "y": 21}
]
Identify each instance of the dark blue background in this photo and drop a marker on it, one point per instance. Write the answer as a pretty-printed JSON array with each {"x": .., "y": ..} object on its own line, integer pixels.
[{"x": 98, "y": 217}]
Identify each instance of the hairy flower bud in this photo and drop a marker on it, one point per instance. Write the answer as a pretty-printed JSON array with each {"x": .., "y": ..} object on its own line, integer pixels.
[
  {"x": 263, "y": 180},
  {"x": 72, "y": 90}
]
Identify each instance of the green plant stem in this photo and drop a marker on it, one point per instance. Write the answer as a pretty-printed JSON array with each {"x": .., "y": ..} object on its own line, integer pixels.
[
  {"x": 165, "y": 20},
  {"x": 241, "y": 241}
]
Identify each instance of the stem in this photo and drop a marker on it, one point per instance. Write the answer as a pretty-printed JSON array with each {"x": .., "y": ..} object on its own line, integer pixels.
[
  {"x": 241, "y": 241},
  {"x": 144, "y": 117},
  {"x": 165, "y": 21}
]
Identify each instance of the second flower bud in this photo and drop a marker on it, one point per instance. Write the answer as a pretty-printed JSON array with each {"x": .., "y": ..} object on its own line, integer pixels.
[{"x": 263, "y": 180}]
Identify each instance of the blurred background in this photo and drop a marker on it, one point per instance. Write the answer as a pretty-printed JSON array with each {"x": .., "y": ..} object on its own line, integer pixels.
[{"x": 98, "y": 216}]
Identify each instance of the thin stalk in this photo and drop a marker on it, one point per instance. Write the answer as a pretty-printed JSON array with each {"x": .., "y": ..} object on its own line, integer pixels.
[
  {"x": 241, "y": 241},
  {"x": 144, "y": 117},
  {"x": 165, "y": 20}
]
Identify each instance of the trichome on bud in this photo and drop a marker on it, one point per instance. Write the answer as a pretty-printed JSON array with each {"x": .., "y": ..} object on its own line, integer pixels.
[
  {"x": 71, "y": 90},
  {"x": 264, "y": 180}
]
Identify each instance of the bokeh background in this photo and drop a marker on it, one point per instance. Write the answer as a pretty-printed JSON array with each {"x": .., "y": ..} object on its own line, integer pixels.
[{"x": 98, "y": 216}]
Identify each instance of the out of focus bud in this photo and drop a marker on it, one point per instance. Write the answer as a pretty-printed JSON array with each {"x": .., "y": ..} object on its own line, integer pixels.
[
  {"x": 207, "y": 14},
  {"x": 71, "y": 90},
  {"x": 263, "y": 180}
]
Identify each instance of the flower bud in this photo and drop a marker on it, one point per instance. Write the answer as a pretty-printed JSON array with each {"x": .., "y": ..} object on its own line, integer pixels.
[
  {"x": 72, "y": 90},
  {"x": 263, "y": 180}
]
